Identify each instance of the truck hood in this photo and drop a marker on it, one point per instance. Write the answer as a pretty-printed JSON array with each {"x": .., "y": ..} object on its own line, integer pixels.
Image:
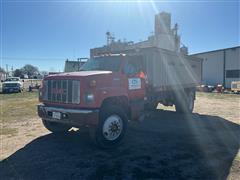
[
  {"x": 11, "y": 82},
  {"x": 81, "y": 74}
]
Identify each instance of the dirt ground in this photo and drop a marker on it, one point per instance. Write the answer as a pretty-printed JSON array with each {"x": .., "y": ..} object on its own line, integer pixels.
[{"x": 166, "y": 145}]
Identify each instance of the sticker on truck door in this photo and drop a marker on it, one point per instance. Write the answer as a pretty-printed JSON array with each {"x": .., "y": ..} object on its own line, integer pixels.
[{"x": 134, "y": 83}]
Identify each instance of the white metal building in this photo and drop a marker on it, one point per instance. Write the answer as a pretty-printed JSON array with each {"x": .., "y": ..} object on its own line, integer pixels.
[{"x": 220, "y": 66}]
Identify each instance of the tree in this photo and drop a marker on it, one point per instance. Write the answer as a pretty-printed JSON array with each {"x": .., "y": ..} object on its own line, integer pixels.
[
  {"x": 18, "y": 73},
  {"x": 30, "y": 70},
  {"x": 44, "y": 73}
]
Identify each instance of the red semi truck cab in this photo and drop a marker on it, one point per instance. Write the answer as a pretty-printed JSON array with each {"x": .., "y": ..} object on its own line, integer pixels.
[{"x": 106, "y": 93}]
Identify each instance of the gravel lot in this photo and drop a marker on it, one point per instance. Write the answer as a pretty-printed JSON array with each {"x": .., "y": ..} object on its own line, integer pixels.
[{"x": 166, "y": 145}]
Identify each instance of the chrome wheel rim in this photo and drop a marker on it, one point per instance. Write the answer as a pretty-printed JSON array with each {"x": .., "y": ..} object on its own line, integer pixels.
[{"x": 112, "y": 127}]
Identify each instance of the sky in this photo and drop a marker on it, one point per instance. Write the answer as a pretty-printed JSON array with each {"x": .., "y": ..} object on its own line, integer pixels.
[{"x": 46, "y": 33}]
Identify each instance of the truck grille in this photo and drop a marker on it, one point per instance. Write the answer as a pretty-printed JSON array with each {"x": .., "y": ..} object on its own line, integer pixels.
[
  {"x": 62, "y": 91},
  {"x": 11, "y": 85}
]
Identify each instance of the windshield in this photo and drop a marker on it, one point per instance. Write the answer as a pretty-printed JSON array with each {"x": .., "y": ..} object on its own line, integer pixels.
[
  {"x": 102, "y": 64},
  {"x": 12, "y": 79}
]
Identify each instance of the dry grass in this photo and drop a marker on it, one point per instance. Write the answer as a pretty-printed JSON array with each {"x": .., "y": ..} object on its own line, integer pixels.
[
  {"x": 219, "y": 96},
  {"x": 216, "y": 104},
  {"x": 18, "y": 106},
  {"x": 19, "y": 121},
  {"x": 8, "y": 131}
]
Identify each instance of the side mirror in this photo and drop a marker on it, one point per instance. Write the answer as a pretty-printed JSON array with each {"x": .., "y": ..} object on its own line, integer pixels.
[
  {"x": 23, "y": 80},
  {"x": 2, "y": 81}
]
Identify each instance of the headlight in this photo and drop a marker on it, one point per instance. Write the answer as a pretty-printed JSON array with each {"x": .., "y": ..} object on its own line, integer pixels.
[{"x": 89, "y": 98}]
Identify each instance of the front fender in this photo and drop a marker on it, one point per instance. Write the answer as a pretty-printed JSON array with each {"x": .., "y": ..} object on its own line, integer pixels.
[{"x": 103, "y": 93}]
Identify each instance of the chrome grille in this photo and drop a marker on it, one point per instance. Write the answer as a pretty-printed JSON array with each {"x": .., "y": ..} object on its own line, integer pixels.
[
  {"x": 62, "y": 91},
  {"x": 11, "y": 85}
]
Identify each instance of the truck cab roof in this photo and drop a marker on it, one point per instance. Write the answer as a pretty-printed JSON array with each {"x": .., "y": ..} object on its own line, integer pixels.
[{"x": 12, "y": 79}]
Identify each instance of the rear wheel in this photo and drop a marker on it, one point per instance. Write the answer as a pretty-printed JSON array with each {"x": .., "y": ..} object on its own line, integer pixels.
[
  {"x": 185, "y": 105},
  {"x": 55, "y": 127},
  {"x": 111, "y": 128}
]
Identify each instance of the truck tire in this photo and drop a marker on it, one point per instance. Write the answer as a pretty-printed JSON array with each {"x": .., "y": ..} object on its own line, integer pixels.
[
  {"x": 185, "y": 106},
  {"x": 55, "y": 127},
  {"x": 111, "y": 128}
]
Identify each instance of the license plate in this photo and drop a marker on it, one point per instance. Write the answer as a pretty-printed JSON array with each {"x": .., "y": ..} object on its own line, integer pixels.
[{"x": 56, "y": 115}]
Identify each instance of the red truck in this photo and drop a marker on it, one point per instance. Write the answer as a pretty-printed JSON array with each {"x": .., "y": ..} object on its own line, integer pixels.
[{"x": 109, "y": 90}]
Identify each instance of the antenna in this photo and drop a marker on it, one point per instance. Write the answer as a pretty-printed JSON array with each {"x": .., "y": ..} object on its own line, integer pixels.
[
  {"x": 110, "y": 38},
  {"x": 108, "y": 35},
  {"x": 175, "y": 29},
  {"x": 79, "y": 61}
]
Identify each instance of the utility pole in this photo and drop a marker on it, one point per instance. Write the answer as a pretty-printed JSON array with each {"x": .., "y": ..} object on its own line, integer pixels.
[
  {"x": 7, "y": 70},
  {"x": 12, "y": 71}
]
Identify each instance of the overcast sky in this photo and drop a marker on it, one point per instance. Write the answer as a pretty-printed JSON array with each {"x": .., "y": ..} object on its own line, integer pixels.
[{"x": 45, "y": 33}]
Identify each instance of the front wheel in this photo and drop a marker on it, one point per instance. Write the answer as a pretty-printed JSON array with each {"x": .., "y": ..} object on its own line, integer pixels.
[
  {"x": 112, "y": 127},
  {"x": 55, "y": 127}
]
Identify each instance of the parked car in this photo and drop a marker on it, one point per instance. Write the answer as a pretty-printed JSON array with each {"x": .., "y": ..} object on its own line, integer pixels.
[{"x": 12, "y": 84}]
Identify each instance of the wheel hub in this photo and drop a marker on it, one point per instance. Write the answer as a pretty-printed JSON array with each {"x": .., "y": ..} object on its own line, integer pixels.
[{"x": 112, "y": 127}]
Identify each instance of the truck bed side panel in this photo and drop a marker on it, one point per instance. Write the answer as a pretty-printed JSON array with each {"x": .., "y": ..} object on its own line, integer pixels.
[{"x": 171, "y": 70}]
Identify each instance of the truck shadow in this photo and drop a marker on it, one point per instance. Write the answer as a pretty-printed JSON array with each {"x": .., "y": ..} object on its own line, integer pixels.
[{"x": 167, "y": 145}]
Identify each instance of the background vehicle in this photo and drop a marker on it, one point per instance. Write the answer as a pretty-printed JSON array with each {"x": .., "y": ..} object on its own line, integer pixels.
[
  {"x": 235, "y": 86},
  {"x": 12, "y": 84},
  {"x": 110, "y": 90}
]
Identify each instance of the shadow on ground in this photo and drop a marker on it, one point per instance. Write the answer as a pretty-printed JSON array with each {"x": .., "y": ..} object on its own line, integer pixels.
[{"x": 167, "y": 145}]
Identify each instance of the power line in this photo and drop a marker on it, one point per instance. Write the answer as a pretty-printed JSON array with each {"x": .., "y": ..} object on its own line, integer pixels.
[{"x": 33, "y": 58}]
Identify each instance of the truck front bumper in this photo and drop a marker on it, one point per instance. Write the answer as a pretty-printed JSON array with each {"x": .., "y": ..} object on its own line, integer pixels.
[
  {"x": 11, "y": 89},
  {"x": 73, "y": 117}
]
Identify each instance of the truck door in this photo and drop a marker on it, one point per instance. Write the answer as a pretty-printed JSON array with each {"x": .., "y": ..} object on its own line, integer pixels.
[{"x": 136, "y": 85}]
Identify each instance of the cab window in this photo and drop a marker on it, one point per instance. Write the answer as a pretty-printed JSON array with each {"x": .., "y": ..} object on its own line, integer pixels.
[{"x": 132, "y": 66}]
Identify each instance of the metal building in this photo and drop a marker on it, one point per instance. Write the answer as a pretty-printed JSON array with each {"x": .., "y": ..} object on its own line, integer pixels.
[
  {"x": 164, "y": 37},
  {"x": 72, "y": 66},
  {"x": 220, "y": 66}
]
